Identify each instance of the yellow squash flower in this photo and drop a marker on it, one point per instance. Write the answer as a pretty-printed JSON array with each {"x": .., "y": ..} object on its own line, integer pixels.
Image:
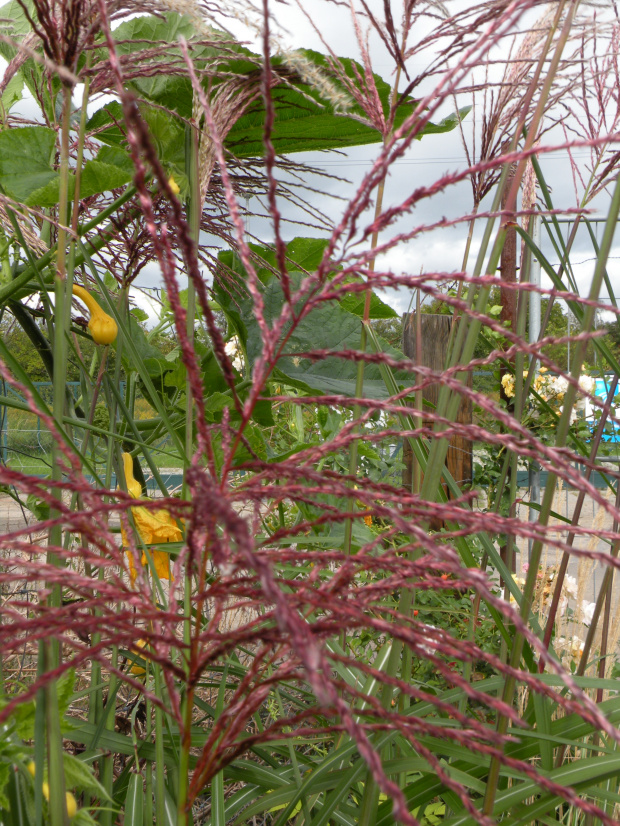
[
  {"x": 102, "y": 327},
  {"x": 137, "y": 649},
  {"x": 154, "y": 526}
]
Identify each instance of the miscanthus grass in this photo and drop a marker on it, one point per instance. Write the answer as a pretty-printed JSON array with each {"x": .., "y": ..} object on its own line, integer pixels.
[{"x": 224, "y": 607}]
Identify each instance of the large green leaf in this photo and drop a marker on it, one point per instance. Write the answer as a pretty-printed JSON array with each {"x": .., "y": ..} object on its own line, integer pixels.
[
  {"x": 355, "y": 302},
  {"x": 328, "y": 326},
  {"x": 15, "y": 25},
  {"x": 318, "y": 116},
  {"x": 307, "y": 119},
  {"x": 167, "y": 133},
  {"x": 301, "y": 254},
  {"x": 26, "y": 156},
  {"x": 145, "y": 31},
  {"x": 26, "y": 170},
  {"x": 172, "y": 91},
  {"x": 102, "y": 177},
  {"x": 13, "y": 92}
]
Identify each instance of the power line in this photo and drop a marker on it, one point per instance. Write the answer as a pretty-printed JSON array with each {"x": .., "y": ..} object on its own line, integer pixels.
[{"x": 413, "y": 162}]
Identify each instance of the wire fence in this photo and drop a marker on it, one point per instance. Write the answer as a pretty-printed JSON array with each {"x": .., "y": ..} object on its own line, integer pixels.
[{"x": 26, "y": 443}]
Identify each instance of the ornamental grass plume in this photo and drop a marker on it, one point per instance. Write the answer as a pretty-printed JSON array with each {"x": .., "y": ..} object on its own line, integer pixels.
[
  {"x": 154, "y": 526},
  {"x": 345, "y": 646}
]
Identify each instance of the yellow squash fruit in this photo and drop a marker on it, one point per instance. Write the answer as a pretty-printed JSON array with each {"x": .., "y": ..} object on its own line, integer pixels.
[
  {"x": 173, "y": 185},
  {"x": 154, "y": 526},
  {"x": 102, "y": 327},
  {"x": 71, "y": 804}
]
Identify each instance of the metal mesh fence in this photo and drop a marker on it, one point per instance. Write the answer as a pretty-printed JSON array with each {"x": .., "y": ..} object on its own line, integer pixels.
[{"x": 26, "y": 443}]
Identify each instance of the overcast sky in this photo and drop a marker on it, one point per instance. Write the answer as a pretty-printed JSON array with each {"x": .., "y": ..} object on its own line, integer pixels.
[{"x": 425, "y": 162}]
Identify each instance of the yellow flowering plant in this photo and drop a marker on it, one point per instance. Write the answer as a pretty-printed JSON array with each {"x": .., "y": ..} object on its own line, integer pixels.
[
  {"x": 551, "y": 389},
  {"x": 541, "y": 412}
]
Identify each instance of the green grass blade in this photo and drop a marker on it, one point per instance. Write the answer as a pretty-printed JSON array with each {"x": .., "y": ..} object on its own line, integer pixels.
[{"x": 134, "y": 802}]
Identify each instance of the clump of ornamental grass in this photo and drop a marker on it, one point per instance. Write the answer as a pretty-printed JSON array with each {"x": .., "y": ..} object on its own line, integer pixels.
[{"x": 254, "y": 641}]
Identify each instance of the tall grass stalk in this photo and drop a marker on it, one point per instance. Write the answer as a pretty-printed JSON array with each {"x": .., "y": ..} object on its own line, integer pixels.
[
  {"x": 62, "y": 303},
  {"x": 194, "y": 208}
]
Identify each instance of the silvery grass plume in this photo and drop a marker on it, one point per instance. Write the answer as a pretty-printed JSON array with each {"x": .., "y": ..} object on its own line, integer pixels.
[
  {"x": 499, "y": 103},
  {"x": 592, "y": 109}
]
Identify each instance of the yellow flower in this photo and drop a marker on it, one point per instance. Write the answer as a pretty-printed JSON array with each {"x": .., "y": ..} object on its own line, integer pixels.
[
  {"x": 102, "y": 327},
  {"x": 508, "y": 383},
  {"x": 133, "y": 486},
  {"x": 136, "y": 668},
  {"x": 154, "y": 526},
  {"x": 173, "y": 185},
  {"x": 368, "y": 520}
]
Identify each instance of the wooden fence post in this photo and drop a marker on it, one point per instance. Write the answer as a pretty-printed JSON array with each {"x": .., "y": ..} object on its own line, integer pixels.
[{"x": 435, "y": 331}]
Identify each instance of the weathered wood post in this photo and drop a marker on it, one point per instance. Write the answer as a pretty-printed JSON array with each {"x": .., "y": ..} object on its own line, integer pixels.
[{"x": 435, "y": 334}]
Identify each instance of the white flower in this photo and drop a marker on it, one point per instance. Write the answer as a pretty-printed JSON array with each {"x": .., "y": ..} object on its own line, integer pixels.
[
  {"x": 559, "y": 385},
  {"x": 570, "y": 587},
  {"x": 587, "y": 384},
  {"x": 587, "y": 611},
  {"x": 232, "y": 346},
  {"x": 574, "y": 646},
  {"x": 233, "y": 351}
]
